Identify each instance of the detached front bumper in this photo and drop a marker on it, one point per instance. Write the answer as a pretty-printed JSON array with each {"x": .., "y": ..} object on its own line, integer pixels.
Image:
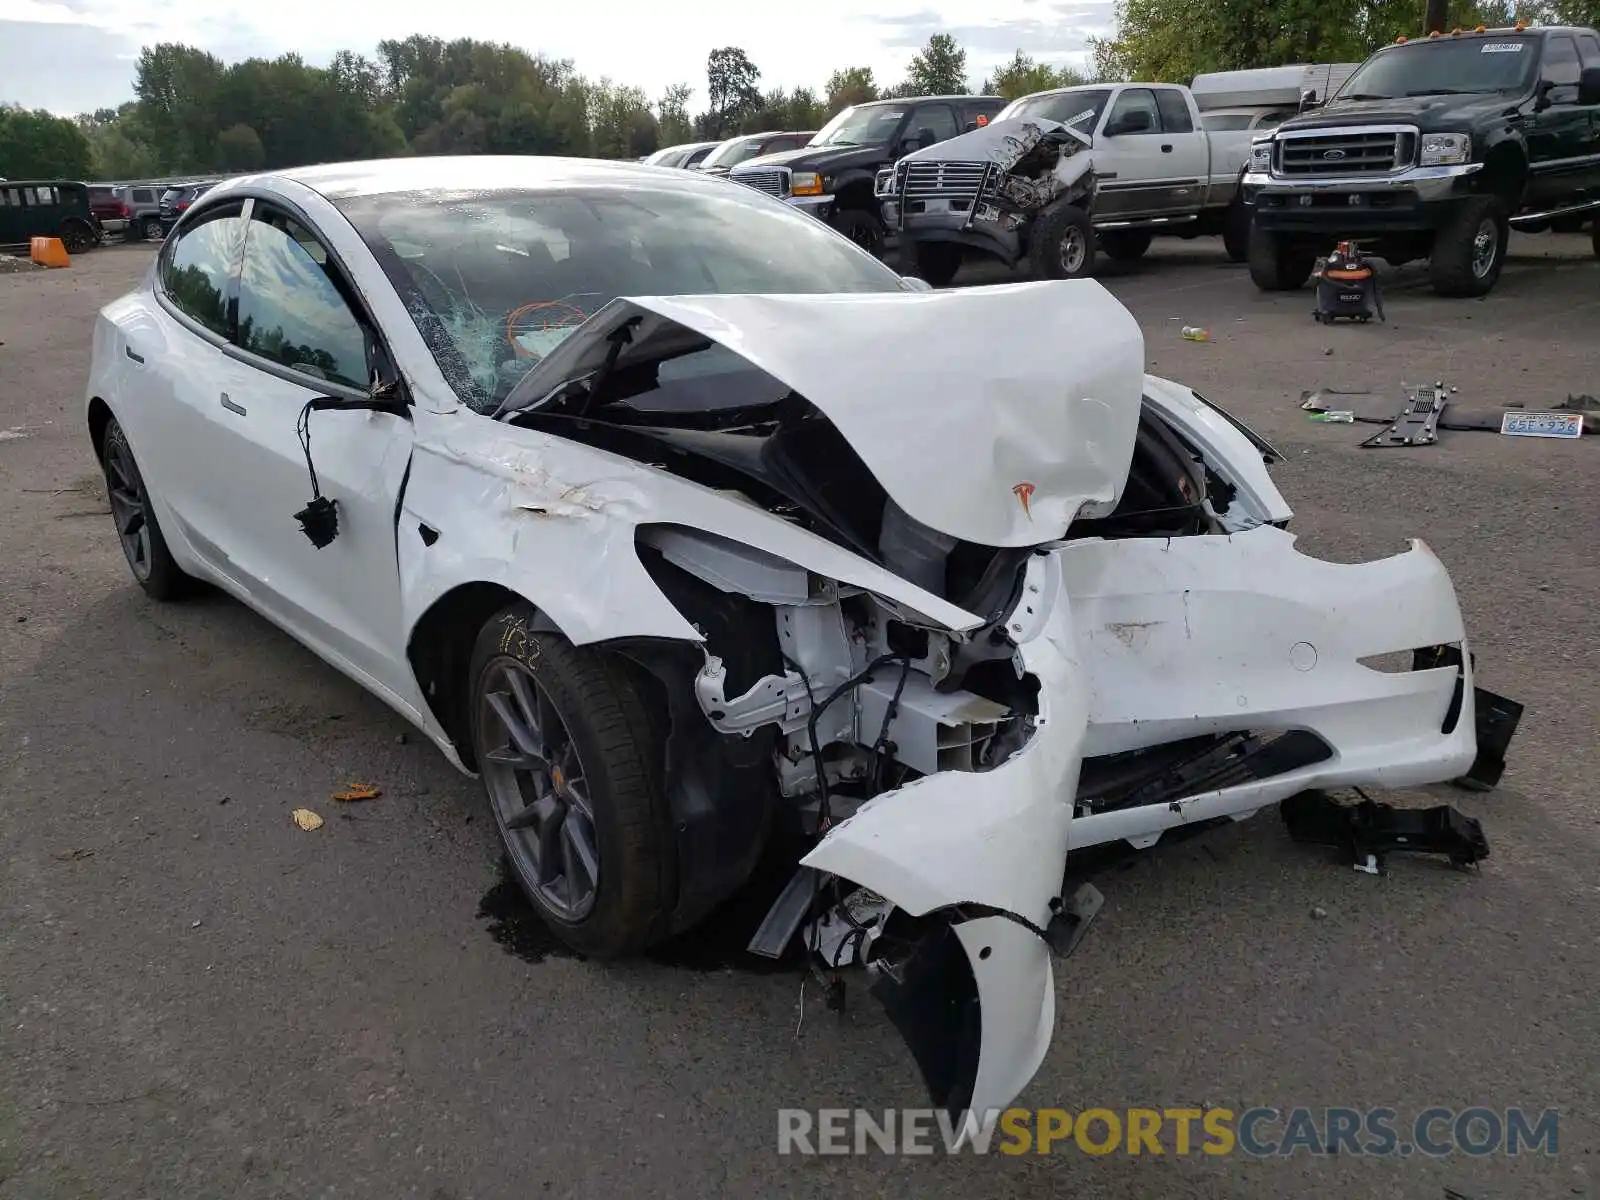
[
  {"x": 1415, "y": 200},
  {"x": 1136, "y": 644}
]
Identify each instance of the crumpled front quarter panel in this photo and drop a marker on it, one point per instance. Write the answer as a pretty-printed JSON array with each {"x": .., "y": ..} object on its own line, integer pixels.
[{"x": 555, "y": 522}]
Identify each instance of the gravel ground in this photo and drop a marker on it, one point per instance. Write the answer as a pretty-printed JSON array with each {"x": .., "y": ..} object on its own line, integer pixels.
[{"x": 198, "y": 999}]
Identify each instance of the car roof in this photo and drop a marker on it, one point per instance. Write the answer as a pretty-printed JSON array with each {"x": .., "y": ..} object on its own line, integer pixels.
[
  {"x": 916, "y": 99},
  {"x": 469, "y": 173}
]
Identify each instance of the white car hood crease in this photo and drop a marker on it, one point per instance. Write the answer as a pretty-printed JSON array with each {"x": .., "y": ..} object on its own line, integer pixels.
[{"x": 994, "y": 414}]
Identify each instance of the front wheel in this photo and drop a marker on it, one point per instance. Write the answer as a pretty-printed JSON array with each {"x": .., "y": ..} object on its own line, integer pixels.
[
  {"x": 1278, "y": 264},
  {"x": 1125, "y": 245},
  {"x": 1236, "y": 231},
  {"x": 1062, "y": 245},
  {"x": 571, "y": 763},
  {"x": 861, "y": 227},
  {"x": 936, "y": 263},
  {"x": 152, "y": 564},
  {"x": 1469, "y": 252}
]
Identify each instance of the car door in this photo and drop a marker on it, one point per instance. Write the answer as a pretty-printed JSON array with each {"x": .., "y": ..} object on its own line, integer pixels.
[
  {"x": 1589, "y": 59},
  {"x": 1560, "y": 134},
  {"x": 172, "y": 369},
  {"x": 301, "y": 334},
  {"x": 1185, "y": 161},
  {"x": 1130, "y": 167}
]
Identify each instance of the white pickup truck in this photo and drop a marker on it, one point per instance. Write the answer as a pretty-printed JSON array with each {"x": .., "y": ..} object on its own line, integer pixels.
[{"x": 1157, "y": 168}]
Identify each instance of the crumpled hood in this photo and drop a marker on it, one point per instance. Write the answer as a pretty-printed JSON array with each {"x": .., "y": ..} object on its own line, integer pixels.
[
  {"x": 999, "y": 142},
  {"x": 994, "y": 414}
]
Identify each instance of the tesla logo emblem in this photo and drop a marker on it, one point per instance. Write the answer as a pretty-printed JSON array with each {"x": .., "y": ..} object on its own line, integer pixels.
[
  {"x": 1024, "y": 493},
  {"x": 1333, "y": 155}
]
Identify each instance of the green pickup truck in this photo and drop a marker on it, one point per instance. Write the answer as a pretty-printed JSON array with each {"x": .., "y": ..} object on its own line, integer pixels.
[{"x": 57, "y": 208}]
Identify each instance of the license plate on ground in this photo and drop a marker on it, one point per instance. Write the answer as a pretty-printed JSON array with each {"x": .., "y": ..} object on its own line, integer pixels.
[{"x": 1550, "y": 425}]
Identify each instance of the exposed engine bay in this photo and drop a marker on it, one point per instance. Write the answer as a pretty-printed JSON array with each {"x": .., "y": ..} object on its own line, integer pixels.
[{"x": 950, "y": 616}]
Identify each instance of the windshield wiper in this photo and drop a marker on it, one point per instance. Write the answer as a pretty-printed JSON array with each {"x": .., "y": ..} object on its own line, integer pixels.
[
  {"x": 1362, "y": 96},
  {"x": 1441, "y": 92}
]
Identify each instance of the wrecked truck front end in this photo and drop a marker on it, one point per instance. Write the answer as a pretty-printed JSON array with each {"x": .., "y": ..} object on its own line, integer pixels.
[
  {"x": 943, "y": 611},
  {"x": 983, "y": 189}
]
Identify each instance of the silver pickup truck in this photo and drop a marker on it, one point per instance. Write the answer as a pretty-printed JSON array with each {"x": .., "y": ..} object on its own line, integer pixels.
[{"x": 1164, "y": 160}]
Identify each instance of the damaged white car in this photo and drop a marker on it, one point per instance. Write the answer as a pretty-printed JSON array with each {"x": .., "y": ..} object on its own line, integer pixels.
[{"x": 681, "y": 521}]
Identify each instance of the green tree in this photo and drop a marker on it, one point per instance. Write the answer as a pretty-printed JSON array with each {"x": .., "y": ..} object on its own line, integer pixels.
[
  {"x": 623, "y": 125},
  {"x": 731, "y": 91},
  {"x": 178, "y": 88},
  {"x": 239, "y": 148},
  {"x": 40, "y": 145},
  {"x": 673, "y": 121},
  {"x": 850, "y": 85},
  {"x": 1023, "y": 76},
  {"x": 938, "y": 69}
]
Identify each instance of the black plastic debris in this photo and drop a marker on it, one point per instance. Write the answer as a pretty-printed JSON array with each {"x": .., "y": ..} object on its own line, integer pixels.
[
  {"x": 1368, "y": 831},
  {"x": 1418, "y": 422},
  {"x": 1497, "y": 720}
]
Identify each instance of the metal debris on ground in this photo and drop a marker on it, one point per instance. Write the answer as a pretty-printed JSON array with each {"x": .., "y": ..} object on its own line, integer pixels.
[
  {"x": 1335, "y": 416},
  {"x": 1324, "y": 399},
  {"x": 357, "y": 791},
  {"x": 306, "y": 819},
  {"x": 1367, "y": 831},
  {"x": 1570, "y": 418},
  {"x": 1418, "y": 422}
]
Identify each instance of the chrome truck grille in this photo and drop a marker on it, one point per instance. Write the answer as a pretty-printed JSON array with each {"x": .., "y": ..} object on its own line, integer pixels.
[
  {"x": 1374, "y": 150},
  {"x": 957, "y": 182},
  {"x": 774, "y": 181}
]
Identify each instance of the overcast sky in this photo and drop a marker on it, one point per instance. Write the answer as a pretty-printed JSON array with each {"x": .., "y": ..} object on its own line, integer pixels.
[{"x": 74, "y": 55}]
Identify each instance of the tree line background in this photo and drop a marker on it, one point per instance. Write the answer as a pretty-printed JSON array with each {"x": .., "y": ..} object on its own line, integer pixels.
[{"x": 193, "y": 114}]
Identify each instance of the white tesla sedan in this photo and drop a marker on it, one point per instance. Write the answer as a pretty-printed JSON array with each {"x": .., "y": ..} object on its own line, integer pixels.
[{"x": 680, "y": 521}]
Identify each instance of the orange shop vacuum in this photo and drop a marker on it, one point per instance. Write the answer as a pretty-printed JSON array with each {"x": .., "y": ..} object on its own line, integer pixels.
[{"x": 1347, "y": 287}]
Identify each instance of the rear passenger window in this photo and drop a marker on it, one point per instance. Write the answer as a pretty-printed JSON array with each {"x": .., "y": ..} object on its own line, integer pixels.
[
  {"x": 197, "y": 267},
  {"x": 1589, "y": 48},
  {"x": 1561, "y": 68},
  {"x": 291, "y": 310},
  {"x": 1175, "y": 116},
  {"x": 940, "y": 118}
]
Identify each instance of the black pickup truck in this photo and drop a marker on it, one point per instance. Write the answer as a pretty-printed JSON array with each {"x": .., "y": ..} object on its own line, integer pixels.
[
  {"x": 1435, "y": 148},
  {"x": 832, "y": 177}
]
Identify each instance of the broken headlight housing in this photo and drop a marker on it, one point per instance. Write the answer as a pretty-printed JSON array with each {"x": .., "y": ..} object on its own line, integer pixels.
[{"x": 1444, "y": 149}]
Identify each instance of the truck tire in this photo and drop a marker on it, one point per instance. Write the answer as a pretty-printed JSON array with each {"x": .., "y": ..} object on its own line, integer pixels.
[
  {"x": 1278, "y": 264},
  {"x": 861, "y": 227},
  {"x": 1236, "y": 231},
  {"x": 936, "y": 263},
  {"x": 1062, "y": 244},
  {"x": 1469, "y": 252},
  {"x": 1125, "y": 245}
]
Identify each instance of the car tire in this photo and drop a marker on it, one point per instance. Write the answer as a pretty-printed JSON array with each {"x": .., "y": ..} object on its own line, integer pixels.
[
  {"x": 150, "y": 229},
  {"x": 1236, "y": 231},
  {"x": 1062, "y": 244},
  {"x": 1469, "y": 252},
  {"x": 1125, "y": 245},
  {"x": 138, "y": 530},
  {"x": 77, "y": 236},
  {"x": 1278, "y": 264},
  {"x": 585, "y": 826},
  {"x": 936, "y": 263},
  {"x": 863, "y": 228}
]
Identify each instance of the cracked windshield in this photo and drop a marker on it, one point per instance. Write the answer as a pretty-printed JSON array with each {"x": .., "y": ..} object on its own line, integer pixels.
[{"x": 496, "y": 280}]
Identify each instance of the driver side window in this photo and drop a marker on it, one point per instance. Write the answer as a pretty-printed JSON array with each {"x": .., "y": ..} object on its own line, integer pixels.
[
  {"x": 937, "y": 119},
  {"x": 1560, "y": 70},
  {"x": 291, "y": 310},
  {"x": 1129, "y": 104}
]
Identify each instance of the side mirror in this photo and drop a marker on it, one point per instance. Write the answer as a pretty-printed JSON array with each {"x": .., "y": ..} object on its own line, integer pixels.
[
  {"x": 1309, "y": 99},
  {"x": 1589, "y": 86},
  {"x": 927, "y": 136},
  {"x": 1137, "y": 121},
  {"x": 380, "y": 368}
]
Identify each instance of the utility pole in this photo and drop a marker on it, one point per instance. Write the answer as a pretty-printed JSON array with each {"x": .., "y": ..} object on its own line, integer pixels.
[{"x": 1438, "y": 12}]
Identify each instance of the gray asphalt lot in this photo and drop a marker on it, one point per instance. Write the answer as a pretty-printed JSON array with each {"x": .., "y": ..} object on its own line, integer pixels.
[{"x": 197, "y": 999}]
